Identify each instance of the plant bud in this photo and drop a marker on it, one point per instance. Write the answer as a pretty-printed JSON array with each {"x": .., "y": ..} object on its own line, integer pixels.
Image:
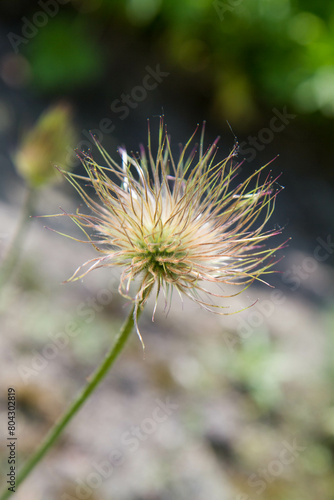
[{"x": 46, "y": 146}]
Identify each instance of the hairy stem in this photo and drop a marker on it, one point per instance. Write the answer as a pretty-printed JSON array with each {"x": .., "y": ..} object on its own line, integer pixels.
[
  {"x": 95, "y": 379},
  {"x": 13, "y": 252}
]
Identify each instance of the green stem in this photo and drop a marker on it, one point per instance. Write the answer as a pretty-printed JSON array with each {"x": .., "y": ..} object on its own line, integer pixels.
[
  {"x": 95, "y": 379},
  {"x": 13, "y": 252}
]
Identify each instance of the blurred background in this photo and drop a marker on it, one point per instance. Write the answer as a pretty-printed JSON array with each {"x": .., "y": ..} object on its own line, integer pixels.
[{"x": 246, "y": 401}]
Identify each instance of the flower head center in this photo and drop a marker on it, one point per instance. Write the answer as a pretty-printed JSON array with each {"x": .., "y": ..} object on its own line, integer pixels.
[{"x": 160, "y": 255}]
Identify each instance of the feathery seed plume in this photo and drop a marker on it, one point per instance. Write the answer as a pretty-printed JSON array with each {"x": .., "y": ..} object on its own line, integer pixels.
[{"x": 176, "y": 223}]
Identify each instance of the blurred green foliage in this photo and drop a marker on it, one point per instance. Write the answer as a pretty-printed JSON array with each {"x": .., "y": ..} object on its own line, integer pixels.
[
  {"x": 64, "y": 56},
  {"x": 247, "y": 52}
]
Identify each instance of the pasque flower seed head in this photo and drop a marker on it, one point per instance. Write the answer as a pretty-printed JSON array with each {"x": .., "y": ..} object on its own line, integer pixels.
[{"x": 176, "y": 222}]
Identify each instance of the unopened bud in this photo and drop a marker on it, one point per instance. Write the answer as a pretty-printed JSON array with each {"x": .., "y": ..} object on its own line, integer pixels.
[{"x": 46, "y": 146}]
